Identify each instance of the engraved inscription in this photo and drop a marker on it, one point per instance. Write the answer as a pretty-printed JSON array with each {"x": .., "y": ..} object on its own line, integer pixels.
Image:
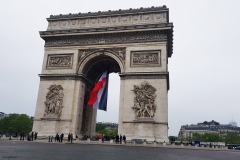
[
  {"x": 60, "y": 61},
  {"x": 145, "y": 58},
  {"x": 144, "y": 101}
]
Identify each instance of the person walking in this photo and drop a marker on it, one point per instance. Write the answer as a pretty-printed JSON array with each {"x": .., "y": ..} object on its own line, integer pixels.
[
  {"x": 117, "y": 139},
  {"x": 71, "y": 137},
  {"x": 35, "y": 136},
  {"x": 32, "y": 135},
  {"x": 103, "y": 138},
  {"x": 61, "y": 137},
  {"x": 120, "y": 139},
  {"x": 124, "y": 139}
]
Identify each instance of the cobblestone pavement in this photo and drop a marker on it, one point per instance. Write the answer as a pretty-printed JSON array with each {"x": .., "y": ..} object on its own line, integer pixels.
[{"x": 23, "y": 150}]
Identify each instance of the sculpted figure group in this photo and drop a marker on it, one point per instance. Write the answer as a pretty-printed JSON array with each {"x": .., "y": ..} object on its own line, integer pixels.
[
  {"x": 144, "y": 100},
  {"x": 54, "y": 101}
]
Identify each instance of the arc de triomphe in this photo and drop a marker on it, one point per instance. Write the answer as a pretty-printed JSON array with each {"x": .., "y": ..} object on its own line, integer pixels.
[{"x": 135, "y": 43}]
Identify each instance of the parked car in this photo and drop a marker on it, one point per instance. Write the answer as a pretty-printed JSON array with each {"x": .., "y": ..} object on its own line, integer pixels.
[{"x": 237, "y": 148}]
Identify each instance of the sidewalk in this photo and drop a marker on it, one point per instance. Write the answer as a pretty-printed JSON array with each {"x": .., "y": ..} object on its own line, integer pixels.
[{"x": 144, "y": 144}]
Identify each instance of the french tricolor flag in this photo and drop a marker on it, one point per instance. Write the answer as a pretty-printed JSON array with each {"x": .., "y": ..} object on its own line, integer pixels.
[{"x": 98, "y": 96}]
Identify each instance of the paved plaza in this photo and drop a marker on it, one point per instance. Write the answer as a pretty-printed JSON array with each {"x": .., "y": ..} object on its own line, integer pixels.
[{"x": 23, "y": 150}]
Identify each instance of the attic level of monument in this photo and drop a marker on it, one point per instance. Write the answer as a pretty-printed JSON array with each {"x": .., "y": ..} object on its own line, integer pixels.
[
  {"x": 112, "y": 27},
  {"x": 109, "y": 13}
]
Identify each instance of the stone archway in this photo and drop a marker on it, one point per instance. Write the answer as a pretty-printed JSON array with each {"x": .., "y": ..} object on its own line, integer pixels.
[
  {"x": 134, "y": 43},
  {"x": 93, "y": 62}
]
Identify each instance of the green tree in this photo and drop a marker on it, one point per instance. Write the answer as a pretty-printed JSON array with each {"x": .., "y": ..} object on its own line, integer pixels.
[
  {"x": 100, "y": 127},
  {"x": 103, "y": 129},
  {"x": 232, "y": 138},
  {"x": 16, "y": 123},
  {"x": 172, "y": 138},
  {"x": 207, "y": 137}
]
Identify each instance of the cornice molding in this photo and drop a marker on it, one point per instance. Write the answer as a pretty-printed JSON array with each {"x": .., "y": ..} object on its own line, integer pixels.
[
  {"x": 54, "y": 77},
  {"x": 146, "y": 75},
  {"x": 109, "y": 12},
  {"x": 101, "y": 30},
  {"x": 111, "y": 38}
]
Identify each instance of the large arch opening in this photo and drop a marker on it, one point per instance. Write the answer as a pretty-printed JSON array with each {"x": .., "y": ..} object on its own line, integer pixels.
[{"x": 94, "y": 66}]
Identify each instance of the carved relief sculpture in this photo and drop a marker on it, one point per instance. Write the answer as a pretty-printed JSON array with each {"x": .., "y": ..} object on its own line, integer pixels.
[
  {"x": 60, "y": 61},
  {"x": 144, "y": 58},
  {"x": 144, "y": 101},
  {"x": 54, "y": 101},
  {"x": 119, "y": 52}
]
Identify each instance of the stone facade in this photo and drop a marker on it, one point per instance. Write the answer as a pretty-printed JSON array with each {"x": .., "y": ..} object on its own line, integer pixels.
[{"x": 134, "y": 43}]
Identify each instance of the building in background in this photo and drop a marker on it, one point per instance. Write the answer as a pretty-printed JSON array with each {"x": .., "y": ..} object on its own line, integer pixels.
[
  {"x": 2, "y": 115},
  {"x": 187, "y": 131}
]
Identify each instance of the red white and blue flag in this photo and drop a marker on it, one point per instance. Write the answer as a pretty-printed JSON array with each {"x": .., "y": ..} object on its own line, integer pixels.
[{"x": 98, "y": 96}]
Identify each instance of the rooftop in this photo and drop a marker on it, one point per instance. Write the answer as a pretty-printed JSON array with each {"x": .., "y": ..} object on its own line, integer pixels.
[{"x": 109, "y": 12}]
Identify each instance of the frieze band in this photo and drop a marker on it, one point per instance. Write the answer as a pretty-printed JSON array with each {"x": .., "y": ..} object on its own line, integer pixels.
[{"x": 139, "y": 37}]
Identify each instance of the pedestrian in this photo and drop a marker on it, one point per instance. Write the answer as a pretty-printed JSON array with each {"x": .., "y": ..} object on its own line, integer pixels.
[
  {"x": 35, "y": 136},
  {"x": 57, "y": 138},
  {"x": 103, "y": 138},
  {"x": 117, "y": 139},
  {"x": 71, "y": 137},
  {"x": 120, "y": 139},
  {"x": 61, "y": 137},
  {"x": 20, "y": 136},
  {"x": 124, "y": 139},
  {"x": 32, "y": 135}
]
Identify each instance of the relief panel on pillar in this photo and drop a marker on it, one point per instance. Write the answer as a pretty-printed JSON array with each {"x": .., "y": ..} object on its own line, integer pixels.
[
  {"x": 54, "y": 102},
  {"x": 144, "y": 106}
]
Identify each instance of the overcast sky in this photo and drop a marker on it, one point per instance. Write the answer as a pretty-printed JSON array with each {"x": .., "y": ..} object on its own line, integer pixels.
[{"x": 204, "y": 67}]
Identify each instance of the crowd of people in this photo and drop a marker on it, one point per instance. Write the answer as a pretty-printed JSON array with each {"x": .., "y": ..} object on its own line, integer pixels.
[
  {"x": 30, "y": 137},
  {"x": 119, "y": 139},
  {"x": 59, "y": 138}
]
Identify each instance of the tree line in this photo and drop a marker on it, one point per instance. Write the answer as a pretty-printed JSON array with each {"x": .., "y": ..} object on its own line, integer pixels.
[
  {"x": 15, "y": 124},
  {"x": 106, "y": 130}
]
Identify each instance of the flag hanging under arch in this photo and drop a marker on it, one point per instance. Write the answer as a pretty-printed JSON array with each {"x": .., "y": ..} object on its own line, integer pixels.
[{"x": 98, "y": 96}]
